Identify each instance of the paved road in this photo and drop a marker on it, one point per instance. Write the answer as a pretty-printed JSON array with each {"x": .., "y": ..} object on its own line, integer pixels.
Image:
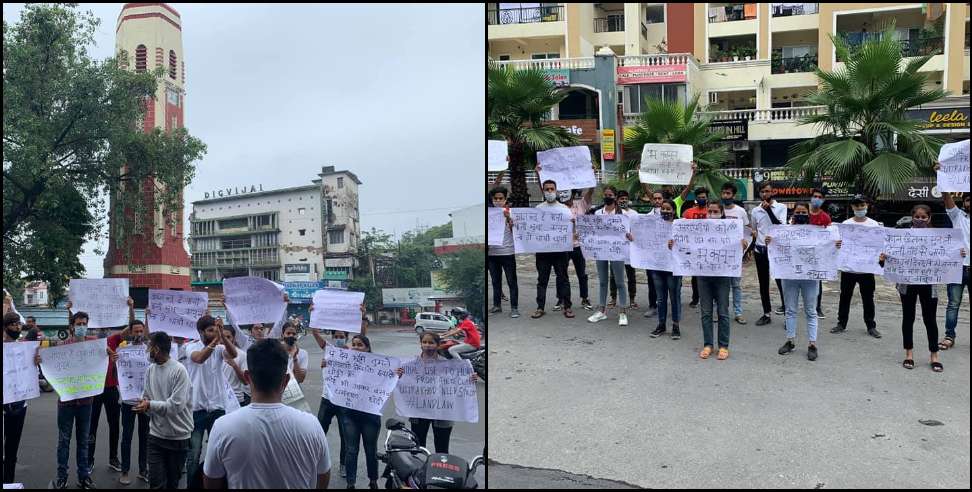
[
  {"x": 570, "y": 401},
  {"x": 37, "y": 461}
]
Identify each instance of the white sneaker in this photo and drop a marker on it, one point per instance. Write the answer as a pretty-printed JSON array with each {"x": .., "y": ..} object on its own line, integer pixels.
[
  {"x": 597, "y": 316},
  {"x": 622, "y": 319}
]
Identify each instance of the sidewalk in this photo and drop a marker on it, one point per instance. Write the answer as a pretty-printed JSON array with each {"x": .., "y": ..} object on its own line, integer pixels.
[{"x": 611, "y": 403}]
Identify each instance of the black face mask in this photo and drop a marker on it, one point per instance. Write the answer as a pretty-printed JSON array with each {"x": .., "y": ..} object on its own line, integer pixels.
[
  {"x": 15, "y": 334},
  {"x": 609, "y": 200},
  {"x": 290, "y": 340},
  {"x": 801, "y": 219},
  {"x": 667, "y": 216}
]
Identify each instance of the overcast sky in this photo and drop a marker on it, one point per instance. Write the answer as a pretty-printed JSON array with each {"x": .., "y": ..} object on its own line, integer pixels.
[{"x": 393, "y": 93}]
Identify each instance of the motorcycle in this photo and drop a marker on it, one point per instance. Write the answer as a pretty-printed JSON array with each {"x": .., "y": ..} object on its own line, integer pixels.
[
  {"x": 410, "y": 466},
  {"x": 476, "y": 357}
]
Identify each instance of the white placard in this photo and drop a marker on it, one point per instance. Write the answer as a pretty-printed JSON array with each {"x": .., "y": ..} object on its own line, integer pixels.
[
  {"x": 104, "y": 299},
  {"x": 176, "y": 312},
  {"x": 437, "y": 390},
  {"x": 860, "y": 248},
  {"x": 953, "y": 171},
  {"x": 19, "y": 372},
  {"x": 649, "y": 250},
  {"x": 132, "y": 364},
  {"x": 76, "y": 370},
  {"x": 359, "y": 380},
  {"x": 337, "y": 310},
  {"x": 542, "y": 230},
  {"x": 254, "y": 300},
  {"x": 802, "y": 252},
  {"x": 707, "y": 247},
  {"x": 923, "y": 256},
  {"x": 496, "y": 152},
  {"x": 602, "y": 237},
  {"x": 666, "y": 164},
  {"x": 569, "y": 167},
  {"x": 497, "y": 226}
]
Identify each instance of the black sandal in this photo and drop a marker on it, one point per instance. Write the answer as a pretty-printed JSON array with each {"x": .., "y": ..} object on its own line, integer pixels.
[
  {"x": 908, "y": 364},
  {"x": 945, "y": 346},
  {"x": 937, "y": 367}
]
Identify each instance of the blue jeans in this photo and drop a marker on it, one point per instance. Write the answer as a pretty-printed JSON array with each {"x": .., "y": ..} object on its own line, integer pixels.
[
  {"x": 668, "y": 286},
  {"x": 737, "y": 295},
  {"x": 714, "y": 289},
  {"x": 128, "y": 418},
  {"x": 202, "y": 421},
  {"x": 602, "y": 278},
  {"x": 792, "y": 290},
  {"x": 80, "y": 417},
  {"x": 955, "y": 302}
]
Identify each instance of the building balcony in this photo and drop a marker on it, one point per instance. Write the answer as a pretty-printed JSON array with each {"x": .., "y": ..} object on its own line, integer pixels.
[
  {"x": 763, "y": 124},
  {"x": 795, "y": 64},
  {"x": 550, "y": 64},
  {"x": 530, "y": 15},
  {"x": 788, "y": 9},
  {"x": 611, "y": 23},
  {"x": 909, "y": 47}
]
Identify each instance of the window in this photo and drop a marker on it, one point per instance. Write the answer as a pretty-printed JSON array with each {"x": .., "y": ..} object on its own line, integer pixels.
[
  {"x": 635, "y": 95},
  {"x": 335, "y": 237},
  {"x": 172, "y": 97},
  {"x": 233, "y": 223},
  {"x": 302, "y": 231},
  {"x": 301, "y": 211},
  {"x": 140, "y": 57},
  {"x": 263, "y": 220},
  {"x": 654, "y": 13},
  {"x": 340, "y": 183},
  {"x": 172, "y": 65},
  {"x": 545, "y": 56}
]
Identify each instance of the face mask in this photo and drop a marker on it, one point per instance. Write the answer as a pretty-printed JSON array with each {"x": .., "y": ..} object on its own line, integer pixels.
[
  {"x": 340, "y": 342},
  {"x": 563, "y": 196},
  {"x": 623, "y": 204},
  {"x": 13, "y": 334},
  {"x": 80, "y": 330},
  {"x": 499, "y": 204},
  {"x": 715, "y": 216},
  {"x": 861, "y": 213},
  {"x": 667, "y": 216},
  {"x": 700, "y": 202},
  {"x": 801, "y": 219},
  {"x": 290, "y": 340},
  {"x": 919, "y": 223},
  {"x": 727, "y": 202},
  {"x": 550, "y": 197},
  {"x": 816, "y": 202},
  {"x": 609, "y": 200}
]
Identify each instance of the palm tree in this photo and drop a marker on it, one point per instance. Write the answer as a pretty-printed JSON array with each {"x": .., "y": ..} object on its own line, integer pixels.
[
  {"x": 867, "y": 140},
  {"x": 671, "y": 122},
  {"x": 517, "y": 102}
]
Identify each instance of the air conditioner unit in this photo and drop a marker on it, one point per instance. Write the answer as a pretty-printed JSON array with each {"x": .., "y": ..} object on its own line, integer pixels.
[{"x": 713, "y": 98}]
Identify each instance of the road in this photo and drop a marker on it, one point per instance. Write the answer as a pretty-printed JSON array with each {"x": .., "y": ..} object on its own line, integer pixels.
[
  {"x": 575, "y": 404},
  {"x": 37, "y": 460}
]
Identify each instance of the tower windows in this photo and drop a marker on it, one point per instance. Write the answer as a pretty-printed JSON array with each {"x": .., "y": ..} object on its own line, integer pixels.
[
  {"x": 172, "y": 65},
  {"x": 140, "y": 58}
]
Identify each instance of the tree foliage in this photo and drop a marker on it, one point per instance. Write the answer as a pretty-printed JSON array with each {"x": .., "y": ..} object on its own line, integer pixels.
[{"x": 464, "y": 274}]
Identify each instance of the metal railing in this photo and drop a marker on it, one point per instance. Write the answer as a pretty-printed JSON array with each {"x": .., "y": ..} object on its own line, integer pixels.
[
  {"x": 530, "y": 15},
  {"x": 788, "y": 9},
  {"x": 774, "y": 115},
  {"x": 806, "y": 63},
  {"x": 726, "y": 15},
  {"x": 611, "y": 23},
  {"x": 909, "y": 47},
  {"x": 549, "y": 64}
]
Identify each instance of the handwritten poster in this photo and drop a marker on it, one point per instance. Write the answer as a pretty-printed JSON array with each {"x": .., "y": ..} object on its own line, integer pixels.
[
  {"x": 860, "y": 248},
  {"x": 649, "y": 250},
  {"x": 76, "y": 370},
  {"x": 666, "y": 164},
  {"x": 802, "y": 252},
  {"x": 104, "y": 299},
  {"x": 923, "y": 256},
  {"x": 132, "y": 364},
  {"x": 176, "y": 312},
  {"x": 254, "y": 300},
  {"x": 497, "y": 226},
  {"x": 542, "y": 230},
  {"x": 602, "y": 237},
  {"x": 953, "y": 171},
  {"x": 359, "y": 380},
  {"x": 496, "y": 155},
  {"x": 569, "y": 167},
  {"x": 19, "y": 372},
  {"x": 707, "y": 247},
  {"x": 337, "y": 310},
  {"x": 437, "y": 390}
]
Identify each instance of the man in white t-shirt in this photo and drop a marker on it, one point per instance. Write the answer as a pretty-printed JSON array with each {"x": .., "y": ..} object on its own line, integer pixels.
[
  {"x": 960, "y": 220},
  {"x": 768, "y": 213},
  {"x": 729, "y": 191},
  {"x": 629, "y": 271},
  {"x": 865, "y": 280},
  {"x": 267, "y": 445},
  {"x": 556, "y": 260},
  {"x": 579, "y": 202}
]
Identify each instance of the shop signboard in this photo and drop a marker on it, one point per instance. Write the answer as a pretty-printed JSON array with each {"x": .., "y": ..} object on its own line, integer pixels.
[
  {"x": 607, "y": 144},
  {"x": 560, "y": 77},
  {"x": 785, "y": 187},
  {"x": 302, "y": 292},
  {"x": 653, "y": 74},
  {"x": 735, "y": 129},
  {"x": 585, "y": 130},
  {"x": 954, "y": 118},
  {"x": 916, "y": 190}
]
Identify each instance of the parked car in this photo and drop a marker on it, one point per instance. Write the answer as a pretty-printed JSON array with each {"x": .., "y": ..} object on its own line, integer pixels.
[{"x": 434, "y": 322}]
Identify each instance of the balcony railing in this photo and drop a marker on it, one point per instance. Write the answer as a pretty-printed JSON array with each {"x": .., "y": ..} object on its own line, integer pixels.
[
  {"x": 551, "y": 13},
  {"x": 909, "y": 47},
  {"x": 728, "y": 13},
  {"x": 788, "y": 9},
  {"x": 611, "y": 23},
  {"x": 775, "y": 115},
  {"x": 549, "y": 64},
  {"x": 806, "y": 63}
]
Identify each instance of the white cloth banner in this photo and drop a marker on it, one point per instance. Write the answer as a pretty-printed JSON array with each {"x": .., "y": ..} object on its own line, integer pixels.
[
  {"x": 707, "y": 247},
  {"x": 19, "y": 372},
  {"x": 538, "y": 230},
  {"x": 496, "y": 153},
  {"x": 860, "y": 248},
  {"x": 923, "y": 256},
  {"x": 132, "y": 365},
  {"x": 337, "y": 310},
  {"x": 437, "y": 390},
  {"x": 649, "y": 250},
  {"x": 953, "y": 171},
  {"x": 497, "y": 226},
  {"x": 359, "y": 380},
  {"x": 666, "y": 164},
  {"x": 104, "y": 299},
  {"x": 602, "y": 237},
  {"x": 569, "y": 167},
  {"x": 254, "y": 300},
  {"x": 802, "y": 252},
  {"x": 176, "y": 312},
  {"x": 76, "y": 370}
]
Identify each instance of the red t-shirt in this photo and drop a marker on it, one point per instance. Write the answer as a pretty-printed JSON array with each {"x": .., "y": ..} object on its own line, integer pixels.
[
  {"x": 696, "y": 213},
  {"x": 111, "y": 380},
  {"x": 472, "y": 334},
  {"x": 820, "y": 218}
]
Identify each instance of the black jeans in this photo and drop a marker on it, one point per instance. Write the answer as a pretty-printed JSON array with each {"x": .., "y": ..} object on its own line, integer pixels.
[
  {"x": 361, "y": 426},
  {"x": 580, "y": 267},
  {"x": 629, "y": 272},
  {"x": 695, "y": 290},
  {"x": 128, "y": 431},
  {"x": 325, "y": 414},
  {"x": 112, "y": 413},
  {"x": 929, "y": 304},
  {"x": 557, "y": 261},
  {"x": 652, "y": 293},
  {"x": 498, "y": 265},
  {"x": 847, "y": 282},
  {"x": 762, "y": 272},
  {"x": 14, "y": 415},
  {"x": 440, "y": 434},
  {"x": 166, "y": 459}
]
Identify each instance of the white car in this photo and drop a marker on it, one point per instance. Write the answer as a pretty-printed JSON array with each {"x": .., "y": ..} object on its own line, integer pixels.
[{"x": 433, "y": 322}]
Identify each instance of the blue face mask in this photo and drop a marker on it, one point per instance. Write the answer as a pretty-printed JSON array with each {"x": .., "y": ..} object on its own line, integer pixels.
[
  {"x": 816, "y": 202},
  {"x": 340, "y": 342},
  {"x": 861, "y": 213},
  {"x": 727, "y": 202},
  {"x": 80, "y": 330}
]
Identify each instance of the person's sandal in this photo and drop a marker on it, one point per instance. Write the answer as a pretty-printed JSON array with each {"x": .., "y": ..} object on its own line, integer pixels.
[
  {"x": 568, "y": 313},
  {"x": 937, "y": 367},
  {"x": 723, "y": 353},
  {"x": 946, "y": 344},
  {"x": 908, "y": 364},
  {"x": 538, "y": 313},
  {"x": 706, "y": 352}
]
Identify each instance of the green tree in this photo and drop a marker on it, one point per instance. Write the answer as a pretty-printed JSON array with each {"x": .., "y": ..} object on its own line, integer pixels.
[
  {"x": 671, "y": 122},
  {"x": 464, "y": 274},
  {"x": 517, "y": 102},
  {"x": 416, "y": 258},
  {"x": 373, "y": 243},
  {"x": 71, "y": 139},
  {"x": 866, "y": 138}
]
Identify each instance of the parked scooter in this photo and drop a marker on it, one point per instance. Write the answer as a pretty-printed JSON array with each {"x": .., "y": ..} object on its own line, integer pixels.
[{"x": 410, "y": 466}]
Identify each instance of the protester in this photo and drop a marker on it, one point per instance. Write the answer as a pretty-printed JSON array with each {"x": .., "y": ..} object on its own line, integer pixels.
[
  {"x": 14, "y": 413},
  {"x": 579, "y": 203},
  {"x": 234, "y": 369},
  {"x": 768, "y": 213},
  {"x": 865, "y": 280},
  {"x": 466, "y": 326},
  {"x": 167, "y": 403},
  {"x": 960, "y": 220},
  {"x": 699, "y": 211},
  {"x": 135, "y": 334},
  {"x": 328, "y": 411},
  {"x": 629, "y": 270},
  {"x": 668, "y": 286},
  {"x": 361, "y": 427},
  {"x": 610, "y": 207},
  {"x": 732, "y": 210},
  {"x": 297, "y": 364},
  {"x": 556, "y": 260},
  {"x": 267, "y": 445},
  {"x": 657, "y": 197},
  {"x": 820, "y": 218},
  {"x": 500, "y": 259},
  {"x": 110, "y": 401}
]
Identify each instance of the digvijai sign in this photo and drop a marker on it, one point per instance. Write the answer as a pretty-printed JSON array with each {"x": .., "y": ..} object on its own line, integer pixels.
[{"x": 224, "y": 192}]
